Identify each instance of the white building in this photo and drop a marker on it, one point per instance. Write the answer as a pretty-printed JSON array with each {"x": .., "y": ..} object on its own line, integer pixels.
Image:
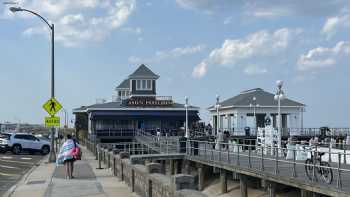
[{"x": 238, "y": 112}]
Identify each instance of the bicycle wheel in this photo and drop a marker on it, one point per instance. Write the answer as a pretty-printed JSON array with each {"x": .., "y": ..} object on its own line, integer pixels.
[
  {"x": 325, "y": 173},
  {"x": 309, "y": 168}
]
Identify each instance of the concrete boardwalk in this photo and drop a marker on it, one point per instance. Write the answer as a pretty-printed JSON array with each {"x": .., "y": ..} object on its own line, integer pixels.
[{"x": 48, "y": 180}]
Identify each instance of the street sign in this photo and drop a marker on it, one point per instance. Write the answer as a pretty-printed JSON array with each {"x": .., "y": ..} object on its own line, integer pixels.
[
  {"x": 52, "y": 121},
  {"x": 52, "y": 106}
]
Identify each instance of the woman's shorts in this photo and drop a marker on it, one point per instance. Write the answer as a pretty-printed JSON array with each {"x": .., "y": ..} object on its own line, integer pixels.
[{"x": 69, "y": 160}]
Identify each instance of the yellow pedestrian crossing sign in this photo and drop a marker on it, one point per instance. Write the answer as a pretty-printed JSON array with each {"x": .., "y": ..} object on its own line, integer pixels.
[
  {"x": 52, "y": 106},
  {"x": 52, "y": 121}
]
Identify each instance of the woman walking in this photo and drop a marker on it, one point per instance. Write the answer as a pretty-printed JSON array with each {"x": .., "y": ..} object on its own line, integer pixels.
[{"x": 66, "y": 156}]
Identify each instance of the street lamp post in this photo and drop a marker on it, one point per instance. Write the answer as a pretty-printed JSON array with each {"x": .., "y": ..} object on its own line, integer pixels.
[
  {"x": 217, "y": 114},
  {"x": 254, "y": 105},
  {"x": 52, "y": 157},
  {"x": 278, "y": 97},
  {"x": 186, "y": 124},
  {"x": 65, "y": 118}
]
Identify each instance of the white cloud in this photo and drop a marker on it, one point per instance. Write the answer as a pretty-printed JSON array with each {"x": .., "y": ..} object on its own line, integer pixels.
[
  {"x": 321, "y": 57},
  {"x": 268, "y": 8},
  {"x": 200, "y": 70},
  {"x": 76, "y": 22},
  {"x": 169, "y": 54},
  {"x": 334, "y": 24},
  {"x": 136, "y": 30},
  {"x": 262, "y": 44},
  {"x": 254, "y": 70},
  {"x": 71, "y": 19},
  {"x": 278, "y": 8},
  {"x": 208, "y": 6}
]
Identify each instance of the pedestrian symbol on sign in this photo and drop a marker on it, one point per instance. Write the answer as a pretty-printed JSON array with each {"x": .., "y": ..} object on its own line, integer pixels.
[{"x": 52, "y": 106}]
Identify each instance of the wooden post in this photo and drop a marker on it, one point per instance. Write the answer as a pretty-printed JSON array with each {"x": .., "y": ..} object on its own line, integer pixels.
[
  {"x": 132, "y": 180},
  {"x": 271, "y": 189},
  {"x": 172, "y": 167},
  {"x": 243, "y": 185},
  {"x": 223, "y": 180},
  {"x": 200, "y": 177}
]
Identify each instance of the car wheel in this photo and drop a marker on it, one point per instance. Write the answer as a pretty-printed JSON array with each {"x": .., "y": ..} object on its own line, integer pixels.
[
  {"x": 16, "y": 149},
  {"x": 45, "y": 150}
]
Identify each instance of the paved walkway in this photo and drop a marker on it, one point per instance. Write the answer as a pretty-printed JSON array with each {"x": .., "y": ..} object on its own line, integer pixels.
[{"x": 47, "y": 180}]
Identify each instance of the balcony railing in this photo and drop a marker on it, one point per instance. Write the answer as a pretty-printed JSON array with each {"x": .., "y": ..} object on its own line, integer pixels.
[{"x": 286, "y": 132}]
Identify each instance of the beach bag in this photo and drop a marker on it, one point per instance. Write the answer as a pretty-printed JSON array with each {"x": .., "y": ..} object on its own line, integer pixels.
[{"x": 76, "y": 152}]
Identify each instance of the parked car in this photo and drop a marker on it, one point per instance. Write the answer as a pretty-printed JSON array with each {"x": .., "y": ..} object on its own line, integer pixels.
[
  {"x": 4, "y": 142},
  {"x": 19, "y": 142}
]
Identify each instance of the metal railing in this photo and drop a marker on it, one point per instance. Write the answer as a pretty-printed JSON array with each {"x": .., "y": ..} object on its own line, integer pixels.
[
  {"x": 286, "y": 132},
  {"x": 247, "y": 155},
  {"x": 160, "y": 144},
  {"x": 273, "y": 160},
  {"x": 115, "y": 132}
]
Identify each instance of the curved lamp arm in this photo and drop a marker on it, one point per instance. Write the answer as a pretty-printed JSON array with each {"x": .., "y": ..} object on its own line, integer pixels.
[{"x": 18, "y": 9}]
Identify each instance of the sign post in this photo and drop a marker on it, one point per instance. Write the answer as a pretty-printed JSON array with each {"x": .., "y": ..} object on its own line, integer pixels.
[{"x": 52, "y": 106}]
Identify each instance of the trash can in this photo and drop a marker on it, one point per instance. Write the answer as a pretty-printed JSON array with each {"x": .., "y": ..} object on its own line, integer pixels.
[{"x": 182, "y": 143}]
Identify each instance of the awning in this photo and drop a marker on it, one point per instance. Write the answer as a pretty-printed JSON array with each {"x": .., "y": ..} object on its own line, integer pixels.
[{"x": 124, "y": 114}]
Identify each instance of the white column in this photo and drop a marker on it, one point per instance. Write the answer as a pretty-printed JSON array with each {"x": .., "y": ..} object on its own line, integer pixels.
[
  {"x": 89, "y": 124},
  {"x": 243, "y": 118},
  {"x": 235, "y": 121},
  {"x": 229, "y": 120},
  {"x": 221, "y": 121},
  {"x": 301, "y": 118}
]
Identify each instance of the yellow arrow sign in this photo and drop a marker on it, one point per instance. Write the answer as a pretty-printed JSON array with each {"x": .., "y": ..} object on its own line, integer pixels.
[
  {"x": 52, "y": 106},
  {"x": 52, "y": 121}
]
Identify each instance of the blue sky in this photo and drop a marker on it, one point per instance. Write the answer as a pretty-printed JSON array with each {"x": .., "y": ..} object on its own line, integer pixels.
[{"x": 200, "y": 48}]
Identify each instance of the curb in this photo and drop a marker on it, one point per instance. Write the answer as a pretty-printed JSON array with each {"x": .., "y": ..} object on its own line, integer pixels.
[{"x": 9, "y": 192}]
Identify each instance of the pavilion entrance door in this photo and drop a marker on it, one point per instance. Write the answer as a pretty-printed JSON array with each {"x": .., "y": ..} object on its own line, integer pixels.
[{"x": 140, "y": 124}]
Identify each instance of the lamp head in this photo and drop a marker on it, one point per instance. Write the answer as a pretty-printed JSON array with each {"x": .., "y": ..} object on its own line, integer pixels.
[
  {"x": 282, "y": 96},
  {"x": 279, "y": 83},
  {"x": 276, "y": 97},
  {"x": 254, "y": 98},
  {"x": 15, "y": 9}
]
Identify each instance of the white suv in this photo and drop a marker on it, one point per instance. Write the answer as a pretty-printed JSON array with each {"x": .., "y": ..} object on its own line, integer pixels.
[{"x": 27, "y": 142}]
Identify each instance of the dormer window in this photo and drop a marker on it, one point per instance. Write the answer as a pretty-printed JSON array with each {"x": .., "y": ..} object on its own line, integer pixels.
[{"x": 143, "y": 84}]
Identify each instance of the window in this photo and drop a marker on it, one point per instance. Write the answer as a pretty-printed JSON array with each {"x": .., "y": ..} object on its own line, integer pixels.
[
  {"x": 138, "y": 84},
  {"x": 30, "y": 137},
  {"x": 149, "y": 84},
  {"x": 144, "y": 84},
  {"x": 19, "y": 137}
]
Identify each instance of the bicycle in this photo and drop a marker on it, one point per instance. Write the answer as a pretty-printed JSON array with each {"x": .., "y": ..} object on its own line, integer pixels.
[{"x": 323, "y": 169}]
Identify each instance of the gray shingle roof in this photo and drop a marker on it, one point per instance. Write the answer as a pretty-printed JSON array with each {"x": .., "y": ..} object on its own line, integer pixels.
[
  {"x": 124, "y": 85},
  {"x": 119, "y": 105},
  {"x": 143, "y": 72},
  {"x": 263, "y": 98}
]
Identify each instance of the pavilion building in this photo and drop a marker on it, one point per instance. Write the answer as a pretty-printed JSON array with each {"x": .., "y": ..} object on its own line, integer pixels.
[
  {"x": 136, "y": 107},
  {"x": 251, "y": 108}
]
